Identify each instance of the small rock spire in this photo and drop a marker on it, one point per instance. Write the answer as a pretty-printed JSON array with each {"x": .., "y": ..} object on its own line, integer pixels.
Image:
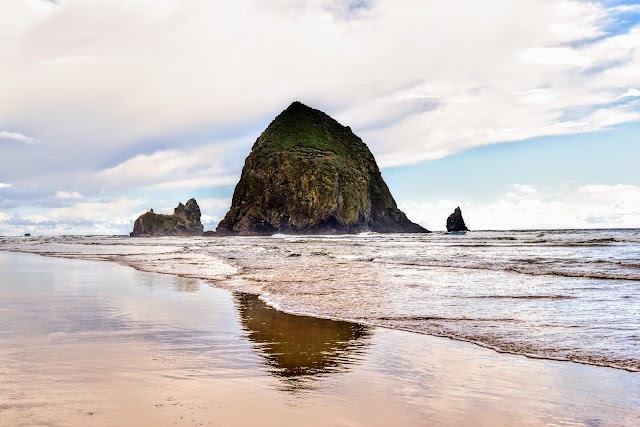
[{"x": 455, "y": 222}]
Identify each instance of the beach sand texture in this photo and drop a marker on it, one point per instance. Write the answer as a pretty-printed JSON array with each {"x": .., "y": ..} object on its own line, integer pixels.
[{"x": 87, "y": 343}]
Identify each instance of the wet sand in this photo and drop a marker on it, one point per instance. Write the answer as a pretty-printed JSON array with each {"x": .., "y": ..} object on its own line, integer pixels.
[{"x": 87, "y": 343}]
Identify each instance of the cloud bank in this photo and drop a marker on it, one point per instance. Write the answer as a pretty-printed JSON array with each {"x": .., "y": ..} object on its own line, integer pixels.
[
  {"x": 419, "y": 80},
  {"x": 107, "y": 99},
  {"x": 526, "y": 207}
]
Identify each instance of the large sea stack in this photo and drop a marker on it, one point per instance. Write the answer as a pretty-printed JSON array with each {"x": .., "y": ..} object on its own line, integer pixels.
[
  {"x": 185, "y": 221},
  {"x": 308, "y": 174},
  {"x": 455, "y": 222}
]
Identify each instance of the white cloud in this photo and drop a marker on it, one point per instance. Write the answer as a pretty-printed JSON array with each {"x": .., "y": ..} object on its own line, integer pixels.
[
  {"x": 5, "y": 185},
  {"x": 170, "y": 169},
  {"x": 111, "y": 211},
  {"x": 156, "y": 66},
  {"x": 524, "y": 189},
  {"x": 556, "y": 56},
  {"x": 17, "y": 137},
  {"x": 150, "y": 168},
  {"x": 536, "y": 96},
  {"x": 214, "y": 208},
  {"x": 626, "y": 8},
  {"x": 581, "y": 21},
  {"x": 86, "y": 217},
  {"x": 631, "y": 93},
  {"x": 37, "y": 218},
  {"x": 68, "y": 195},
  {"x": 102, "y": 216},
  {"x": 526, "y": 207},
  {"x": 58, "y": 228}
]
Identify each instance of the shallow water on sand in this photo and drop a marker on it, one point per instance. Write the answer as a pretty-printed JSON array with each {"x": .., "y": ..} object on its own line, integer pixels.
[
  {"x": 87, "y": 343},
  {"x": 569, "y": 295}
]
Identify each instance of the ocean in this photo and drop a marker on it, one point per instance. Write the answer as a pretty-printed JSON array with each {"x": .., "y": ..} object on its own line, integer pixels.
[{"x": 570, "y": 295}]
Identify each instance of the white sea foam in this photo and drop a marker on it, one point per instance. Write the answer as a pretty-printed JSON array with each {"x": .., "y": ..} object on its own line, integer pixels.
[{"x": 570, "y": 295}]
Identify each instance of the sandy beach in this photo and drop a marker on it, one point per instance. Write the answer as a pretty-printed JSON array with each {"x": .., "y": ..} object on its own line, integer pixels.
[{"x": 89, "y": 343}]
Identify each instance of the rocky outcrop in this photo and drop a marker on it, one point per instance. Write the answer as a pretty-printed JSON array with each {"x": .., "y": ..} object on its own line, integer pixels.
[
  {"x": 185, "y": 221},
  {"x": 455, "y": 221},
  {"x": 308, "y": 174}
]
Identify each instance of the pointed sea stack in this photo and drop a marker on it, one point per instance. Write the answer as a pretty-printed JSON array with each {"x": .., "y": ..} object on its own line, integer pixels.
[
  {"x": 185, "y": 221},
  {"x": 455, "y": 221},
  {"x": 308, "y": 174}
]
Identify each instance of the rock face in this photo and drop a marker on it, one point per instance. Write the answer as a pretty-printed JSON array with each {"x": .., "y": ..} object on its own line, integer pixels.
[
  {"x": 455, "y": 221},
  {"x": 308, "y": 174},
  {"x": 185, "y": 221}
]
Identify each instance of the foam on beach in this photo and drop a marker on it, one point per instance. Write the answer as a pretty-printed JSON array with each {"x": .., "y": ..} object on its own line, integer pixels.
[{"x": 566, "y": 295}]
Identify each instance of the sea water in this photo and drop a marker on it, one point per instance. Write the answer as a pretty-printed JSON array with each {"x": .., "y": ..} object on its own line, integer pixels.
[
  {"x": 95, "y": 343},
  {"x": 566, "y": 294}
]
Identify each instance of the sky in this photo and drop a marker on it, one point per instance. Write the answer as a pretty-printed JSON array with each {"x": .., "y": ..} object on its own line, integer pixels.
[{"x": 526, "y": 114}]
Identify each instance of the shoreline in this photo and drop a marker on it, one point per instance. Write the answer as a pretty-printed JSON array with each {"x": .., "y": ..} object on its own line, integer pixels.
[
  {"x": 135, "y": 347},
  {"x": 262, "y": 296},
  {"x": 456, "y": 339}
]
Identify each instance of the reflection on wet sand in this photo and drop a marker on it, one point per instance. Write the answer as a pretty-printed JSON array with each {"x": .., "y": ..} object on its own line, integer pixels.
[
  {"x": 96, "y": 344},
  {"x": 186, "y": 284},
  {"x": 180, "y": 284},
  {"x": 300, "y": 347}
]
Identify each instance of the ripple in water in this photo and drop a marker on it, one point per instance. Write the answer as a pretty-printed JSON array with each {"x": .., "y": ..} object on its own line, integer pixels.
[{"x": 570, "y": 295}]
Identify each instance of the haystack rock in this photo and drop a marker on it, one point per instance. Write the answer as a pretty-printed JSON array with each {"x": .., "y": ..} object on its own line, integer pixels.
[
  {"x": 455, "y": 221},
  {"x": 185, "y": 221},
  {"x": 308, "y": 174}
]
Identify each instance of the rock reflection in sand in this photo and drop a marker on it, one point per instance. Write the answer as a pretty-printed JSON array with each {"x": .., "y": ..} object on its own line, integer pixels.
[{"x": 298, "y": 348}]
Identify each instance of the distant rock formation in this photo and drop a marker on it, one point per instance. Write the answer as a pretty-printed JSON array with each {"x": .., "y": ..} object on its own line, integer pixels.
[
  {"x": 308, "y": 174},
  {"x": 185, "y": 221},
  {"x": 455, "y": 221}
]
